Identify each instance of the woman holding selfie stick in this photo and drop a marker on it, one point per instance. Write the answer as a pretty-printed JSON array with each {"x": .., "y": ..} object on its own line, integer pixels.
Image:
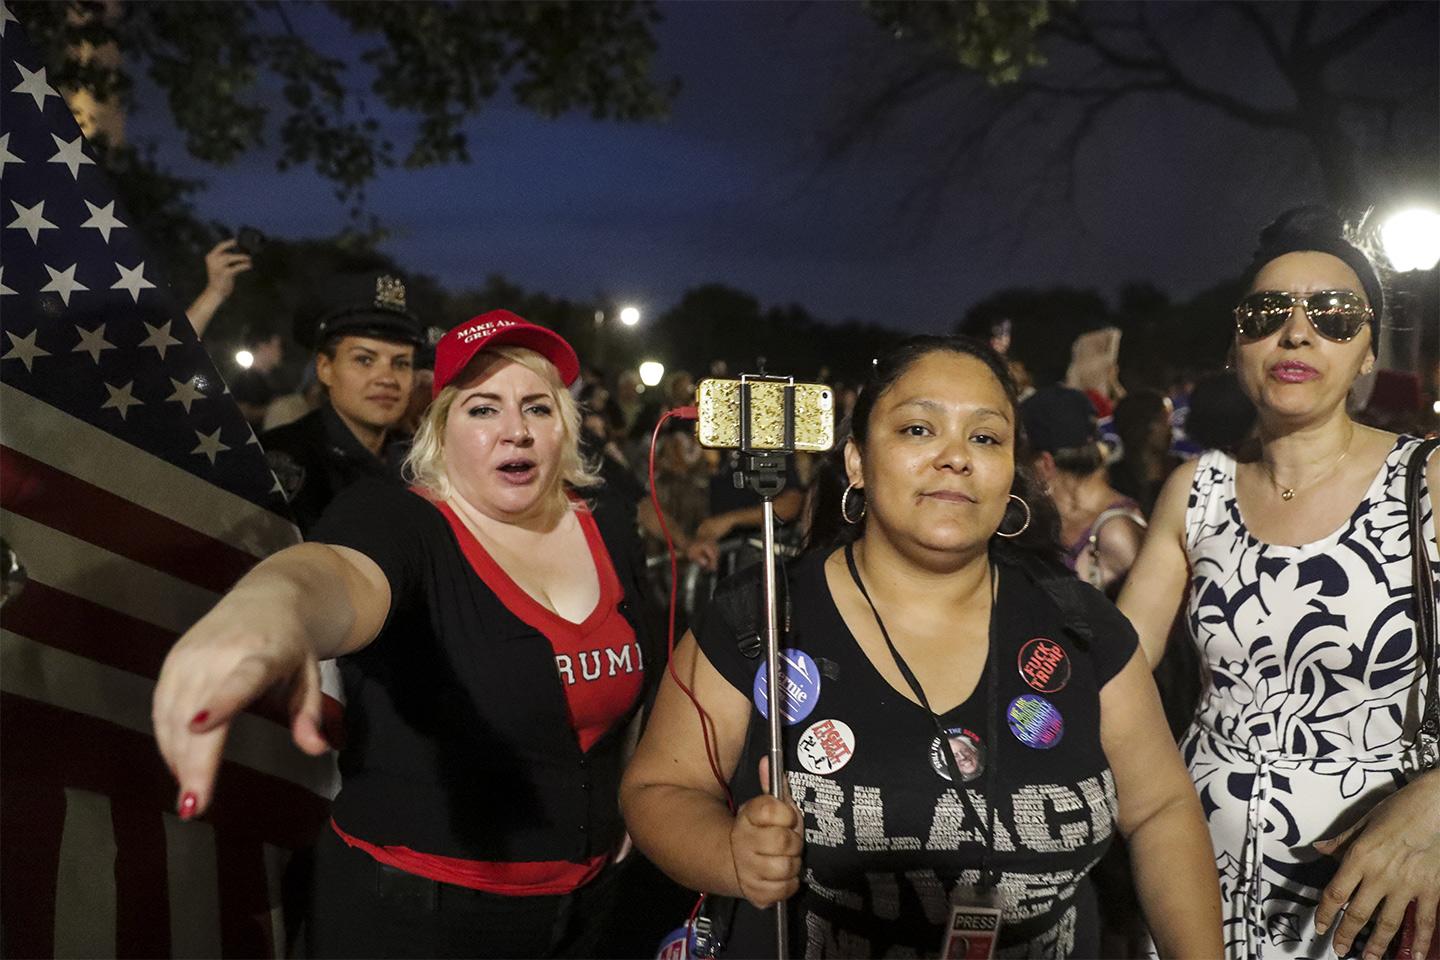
[
  {"x": 923, "y": 623},
  {"x": 1296, "y": 559}
]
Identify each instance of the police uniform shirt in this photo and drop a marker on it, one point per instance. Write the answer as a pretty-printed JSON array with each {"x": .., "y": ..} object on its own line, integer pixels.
[
  {"x": 887, "y": 839},
  {"x": 317, "y": 456}
]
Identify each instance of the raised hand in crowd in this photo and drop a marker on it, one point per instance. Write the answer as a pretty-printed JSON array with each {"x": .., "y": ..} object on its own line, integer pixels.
[{"x": 223, "y": 264}]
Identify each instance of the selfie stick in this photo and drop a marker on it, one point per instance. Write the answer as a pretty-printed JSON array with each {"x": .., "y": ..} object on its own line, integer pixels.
[{"x": 765, "y": 473}]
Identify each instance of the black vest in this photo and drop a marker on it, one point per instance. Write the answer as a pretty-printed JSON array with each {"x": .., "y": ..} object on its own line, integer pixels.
[{"x": 462, "y": 746}]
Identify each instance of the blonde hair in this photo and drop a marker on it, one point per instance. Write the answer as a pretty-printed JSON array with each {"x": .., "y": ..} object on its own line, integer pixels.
[{"x": 425, "y": 465}]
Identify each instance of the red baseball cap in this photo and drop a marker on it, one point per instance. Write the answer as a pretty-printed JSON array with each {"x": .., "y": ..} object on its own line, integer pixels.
[{"x": 500, "y": 328}]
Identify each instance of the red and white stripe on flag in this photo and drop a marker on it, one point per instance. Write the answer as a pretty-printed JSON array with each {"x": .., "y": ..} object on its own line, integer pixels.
[{"x": 134, "y": 495}]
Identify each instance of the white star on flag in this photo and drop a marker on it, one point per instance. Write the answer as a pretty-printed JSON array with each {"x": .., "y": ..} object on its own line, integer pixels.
[
  {"x": 121, "y": 399},
  {"x": 135, "y": 536},
  {"x": 34, "y": 85},
  {"x": 133, "y": 280},
  {"x": 186, "y": 392},
  {"x": 92, "y": 342},
  {"x": 102, "y": 219},
  {"x": 5, "y": 17},
  {"x": 5, "y": 155},
  {"x": 63, "y": 282},
  {"x": 159, "y": 338},
  {"x": 210, "y": 445},
  {"x": 24, "y": 349},
  {"x": 31, "y": 220},
  {"x": 71, "y": 155}
]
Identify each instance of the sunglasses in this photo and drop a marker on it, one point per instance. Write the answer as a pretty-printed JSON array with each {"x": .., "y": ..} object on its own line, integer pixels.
[{"x": 1335, "y": 314}]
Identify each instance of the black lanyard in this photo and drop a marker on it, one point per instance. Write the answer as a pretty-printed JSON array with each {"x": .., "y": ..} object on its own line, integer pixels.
[{"x": 988, "y": 876}]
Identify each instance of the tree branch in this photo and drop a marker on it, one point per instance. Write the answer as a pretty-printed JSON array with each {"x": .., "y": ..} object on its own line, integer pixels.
[
  {"x": 1269, "y": 36},
  {"x": 911, "y": 86},
  {"x": 1163, "y": 63},
  {"x": 1356, "y": 33},
  {"x": 1082, "y": 34},
  {"x": 1304, "y": 21},
  {"x": 1182, "y": 83},
  {"x": 1094, "y": 93}
]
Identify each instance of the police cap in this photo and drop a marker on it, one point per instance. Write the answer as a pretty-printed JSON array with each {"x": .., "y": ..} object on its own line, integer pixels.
[{"x": 361, "y": 305}]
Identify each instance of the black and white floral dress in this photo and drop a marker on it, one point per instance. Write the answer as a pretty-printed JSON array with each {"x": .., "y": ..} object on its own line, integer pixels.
[{"x": 1314, "y": 695}]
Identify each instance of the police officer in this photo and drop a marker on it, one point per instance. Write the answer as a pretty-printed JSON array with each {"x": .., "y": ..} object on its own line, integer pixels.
[{"x": 365, "y": 340}]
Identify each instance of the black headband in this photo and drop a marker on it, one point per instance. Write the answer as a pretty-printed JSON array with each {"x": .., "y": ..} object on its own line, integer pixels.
[{"x": 1341, "y": 249}]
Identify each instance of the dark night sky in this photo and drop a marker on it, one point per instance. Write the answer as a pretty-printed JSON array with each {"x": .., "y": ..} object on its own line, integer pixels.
[{"x": 727, "y": 190}]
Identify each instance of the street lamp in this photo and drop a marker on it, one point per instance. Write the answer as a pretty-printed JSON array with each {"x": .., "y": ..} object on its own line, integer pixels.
[
  {"x": 1412, "y": 244},
  {"x": 628, "y": 316},
  {"x": 1412, "y": 239},
  {"x": 651, "y": 373}
]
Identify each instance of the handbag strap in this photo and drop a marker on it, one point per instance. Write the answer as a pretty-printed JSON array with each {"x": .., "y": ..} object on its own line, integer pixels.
[
  {"x": 1092, "y": 542},
  {"x": 1424, "y": 587}
]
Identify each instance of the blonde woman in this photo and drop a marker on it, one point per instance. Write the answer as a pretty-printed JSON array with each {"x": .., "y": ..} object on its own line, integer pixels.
[{"x": 487, "y": 625}]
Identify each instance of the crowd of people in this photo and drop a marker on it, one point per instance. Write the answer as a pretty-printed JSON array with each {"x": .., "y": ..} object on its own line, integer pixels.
[{"x": 1006, "y": 602}]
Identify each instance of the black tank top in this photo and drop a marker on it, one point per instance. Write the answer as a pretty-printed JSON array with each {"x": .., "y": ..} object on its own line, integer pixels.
[{"x": 886, "y": 836}]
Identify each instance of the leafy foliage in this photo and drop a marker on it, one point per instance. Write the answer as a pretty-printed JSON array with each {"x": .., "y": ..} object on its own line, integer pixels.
[
  {"x": 234, "y": 71},
  {"x": 1000, "y": 40}
]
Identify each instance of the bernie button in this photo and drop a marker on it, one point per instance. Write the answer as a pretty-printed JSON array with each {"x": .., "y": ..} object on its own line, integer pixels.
[
  {"x": 969, "y": 754},
  {"x": 799, "y": 692}
]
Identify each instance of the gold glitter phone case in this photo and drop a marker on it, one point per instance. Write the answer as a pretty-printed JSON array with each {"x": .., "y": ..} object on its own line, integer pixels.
[{"x": 718, "y": 402}]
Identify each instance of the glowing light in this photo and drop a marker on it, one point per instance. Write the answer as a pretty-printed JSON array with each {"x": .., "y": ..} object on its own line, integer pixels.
[
  {"x": 1412, "y": 239},
  {"x": 651, "y": 373},
  {"x": 629, "y": 316},
  {"x": 244, "y": 358}
]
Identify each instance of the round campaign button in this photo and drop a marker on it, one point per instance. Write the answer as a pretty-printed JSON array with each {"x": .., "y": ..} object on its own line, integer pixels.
[
  {"x": 969, "y": 754},
  {"x": 800, "y": 686},
  {"x": 676, "y": 945},
  {"x": 1035, "y": 721},
  {"x": 1045, "y": 665},
  {"x": 826, "y": 746}
]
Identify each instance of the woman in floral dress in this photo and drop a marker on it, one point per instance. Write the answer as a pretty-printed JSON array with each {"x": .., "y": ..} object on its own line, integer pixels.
[{"x": 1295, "y": 558}]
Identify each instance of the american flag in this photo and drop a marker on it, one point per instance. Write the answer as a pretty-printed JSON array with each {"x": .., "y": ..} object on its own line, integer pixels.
[{"x": 134, "y": 495}]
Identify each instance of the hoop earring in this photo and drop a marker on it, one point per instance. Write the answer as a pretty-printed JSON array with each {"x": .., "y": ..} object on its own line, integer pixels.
[
  {"x": 1024, "y": 526},
  {"x": 845, "y": 505}
]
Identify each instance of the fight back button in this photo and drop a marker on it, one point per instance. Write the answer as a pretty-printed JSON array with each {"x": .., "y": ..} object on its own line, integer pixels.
[{"x": 825, "y": 747}]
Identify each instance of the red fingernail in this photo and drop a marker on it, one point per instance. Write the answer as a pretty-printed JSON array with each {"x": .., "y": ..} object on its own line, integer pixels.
[
  {"x": 200, "y": 718},
  {"x": 187, "y": 806}
]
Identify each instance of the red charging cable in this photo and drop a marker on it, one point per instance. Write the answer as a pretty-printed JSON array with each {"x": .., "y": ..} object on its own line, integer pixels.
[{"x": 682, "y": 413}]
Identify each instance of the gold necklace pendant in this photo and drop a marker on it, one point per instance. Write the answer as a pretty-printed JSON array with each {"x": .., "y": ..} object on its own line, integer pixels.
[{"x": 1288, "y": 493}]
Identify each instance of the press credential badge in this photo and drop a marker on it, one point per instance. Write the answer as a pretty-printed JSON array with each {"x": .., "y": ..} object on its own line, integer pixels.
[{"x": 973, "y": 926}]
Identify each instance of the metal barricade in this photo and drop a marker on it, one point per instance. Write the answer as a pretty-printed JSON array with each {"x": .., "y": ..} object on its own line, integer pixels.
[{"x": 736, "y": 552}]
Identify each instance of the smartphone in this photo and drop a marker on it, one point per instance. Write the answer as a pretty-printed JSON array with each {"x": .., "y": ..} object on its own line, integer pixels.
[
  {"x": 718, "y": 403},
  {"x": 249, "y": 240}
]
